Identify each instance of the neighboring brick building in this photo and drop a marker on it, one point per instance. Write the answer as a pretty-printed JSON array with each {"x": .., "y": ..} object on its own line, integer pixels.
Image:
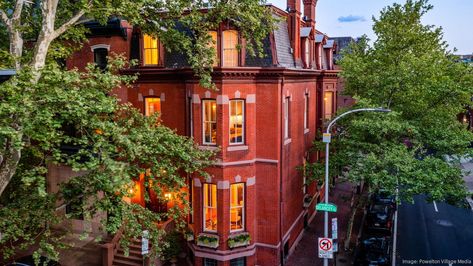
[{"x": 263, "y": 117}]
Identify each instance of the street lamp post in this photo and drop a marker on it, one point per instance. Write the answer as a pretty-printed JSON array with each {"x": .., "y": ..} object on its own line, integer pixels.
[{"x": 326, "y": 139}]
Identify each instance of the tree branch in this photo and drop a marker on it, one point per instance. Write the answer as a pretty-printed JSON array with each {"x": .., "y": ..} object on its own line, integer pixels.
[
  {"x": 5, "y": 19},
  {"x": 17, "y": 13},
  {"x": 68, "y": 24}
]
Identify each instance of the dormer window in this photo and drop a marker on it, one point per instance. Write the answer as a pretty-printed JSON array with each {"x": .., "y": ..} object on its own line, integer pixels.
[
  {"x": 151, "y": 50},
  {"x": 213, "y": 44},
  {"x": 230, "y": 48}
]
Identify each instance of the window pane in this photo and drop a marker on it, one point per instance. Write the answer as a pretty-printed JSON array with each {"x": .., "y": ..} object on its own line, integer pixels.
[
  {"x": 237, "y": 206},
  {"x": 209, "y": 121},
  {"x": 100, "y": 58},
  {"x": 151, "y": 50},
  {"x": 328, "y": 102},
  {"x": 230, "y": 51},
  {"x": 286, "y": 118},
  {"x": 210, "y": 262},
  {"x": 213, "y": 44},
  {"x": 238, "y": 262},
  {"x": 237, "y": 121},
  {"x": 306, "y": 111},
  {"x": 210, "y": 207},
  {"x": 152, "y": 105}
]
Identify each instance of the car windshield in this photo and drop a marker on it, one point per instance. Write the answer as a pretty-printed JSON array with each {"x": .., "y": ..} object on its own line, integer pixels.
[{"x": 379, "y": 208}]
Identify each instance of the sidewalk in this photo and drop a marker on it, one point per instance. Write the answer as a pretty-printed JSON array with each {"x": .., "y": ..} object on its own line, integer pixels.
[{"x": 306, "y": 252}]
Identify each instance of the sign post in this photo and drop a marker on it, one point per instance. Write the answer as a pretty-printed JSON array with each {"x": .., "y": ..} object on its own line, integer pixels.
[
  {"x": 335, "y": 234},
  {"x": 145, "y": 243},
  {"x": 325, "y": 248}
]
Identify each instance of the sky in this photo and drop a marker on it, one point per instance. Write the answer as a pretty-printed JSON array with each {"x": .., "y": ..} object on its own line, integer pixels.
[{"x": 353, "y": 18}]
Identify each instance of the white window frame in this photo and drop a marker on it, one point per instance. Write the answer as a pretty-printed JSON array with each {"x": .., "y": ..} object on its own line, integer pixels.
[
  {"x": 306, "y": 110},
  {"x": 242, "y": 209},
  {"x": 286, "y": 117},
  {"x": 242, "y": 122},
  {"x": 205, "y": 207},
  {"x": 204, "y": 122}
]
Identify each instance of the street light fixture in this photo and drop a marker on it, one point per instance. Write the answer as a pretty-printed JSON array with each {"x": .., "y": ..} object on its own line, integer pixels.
[{"x": 326, "y": 139}]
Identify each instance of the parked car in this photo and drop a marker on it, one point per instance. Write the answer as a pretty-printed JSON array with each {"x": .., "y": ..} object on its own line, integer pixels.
[
  {"x": 374, "y": 251},
  {"x": 379, "y": 216},
  {"x": 384, "y": 197}
]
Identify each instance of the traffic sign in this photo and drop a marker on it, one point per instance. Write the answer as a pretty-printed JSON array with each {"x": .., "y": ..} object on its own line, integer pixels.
[
  {"x": 328, "y": 207},
  {"x": 325, "y": 248},
  {"x": 145, "y": 243}
]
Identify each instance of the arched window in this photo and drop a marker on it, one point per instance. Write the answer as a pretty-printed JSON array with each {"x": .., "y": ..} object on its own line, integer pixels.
[{"x": 230, "y": 50}]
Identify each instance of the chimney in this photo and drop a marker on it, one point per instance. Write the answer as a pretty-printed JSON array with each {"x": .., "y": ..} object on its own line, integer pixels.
[
  {"x": 294, "y": 27},
  {"x": 309, "y": 11}
]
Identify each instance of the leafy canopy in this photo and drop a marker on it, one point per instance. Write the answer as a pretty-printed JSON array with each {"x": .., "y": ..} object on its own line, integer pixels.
[
  {"x": 409, "y": 70},
  {"x": 50, "y": 116}
]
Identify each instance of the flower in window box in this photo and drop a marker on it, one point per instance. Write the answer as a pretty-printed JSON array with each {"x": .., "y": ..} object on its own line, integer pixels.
[
  {"x": 189, "y": 235},
  {"x": 207, "y": 240},
  {"x": 239, "y": 240}
]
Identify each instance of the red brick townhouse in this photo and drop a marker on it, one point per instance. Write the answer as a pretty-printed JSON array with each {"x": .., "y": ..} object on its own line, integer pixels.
[{"x": 264, "y": 116}]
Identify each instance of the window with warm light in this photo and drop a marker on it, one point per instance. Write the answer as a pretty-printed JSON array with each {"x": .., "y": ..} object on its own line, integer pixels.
[
  {"x": 230, "y": 49},
  {"x": 328, "y": 105},
  {"x": 152, "y": 105},
  {"x": 237, "y": 121},
  {"x": 151, "y": 50},
  {"x": 210, "y": 207},
  {"x": 286, "y": 117},
  {"x": 237, "y": 206},
  {"x": 209, "y": 114},
  {"x": 213, "y": 44},
  {"x": 306, "y": 111}
]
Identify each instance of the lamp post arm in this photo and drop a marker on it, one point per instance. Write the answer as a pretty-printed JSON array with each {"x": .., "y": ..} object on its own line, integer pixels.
[{"x": 355, "y": 111}]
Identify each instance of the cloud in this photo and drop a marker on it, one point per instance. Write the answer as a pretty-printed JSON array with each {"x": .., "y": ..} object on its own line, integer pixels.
[{"x": 351, "y": 18}]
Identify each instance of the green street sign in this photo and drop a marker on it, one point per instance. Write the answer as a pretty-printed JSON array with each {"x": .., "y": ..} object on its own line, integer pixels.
[{"x": 327, "y": 207}]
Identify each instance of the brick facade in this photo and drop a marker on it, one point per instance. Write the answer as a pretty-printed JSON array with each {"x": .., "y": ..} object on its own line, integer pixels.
[{"x": 267, "y": 162}]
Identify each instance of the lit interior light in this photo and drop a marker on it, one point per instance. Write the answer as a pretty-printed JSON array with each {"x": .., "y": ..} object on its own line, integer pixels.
[{"x": 167, "y": 196}]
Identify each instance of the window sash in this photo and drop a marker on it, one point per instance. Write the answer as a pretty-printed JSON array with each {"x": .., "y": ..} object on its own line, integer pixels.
[
  {"x": 237, "y": 207},
  {"x": 214, "y": 44},
  {"x": 152, "y": 105},
  {"x": 210, "y": 207},
  {"x": 328, "y": 105},
  {"x": 230, "y": 50},
  {"x": 237, "y": 122},
  {"x": 209, "y": 122},
  {"x": 306, "y": 111},
  {"x": 286, "y": 118},
  {"x": 151, "y": 50}
]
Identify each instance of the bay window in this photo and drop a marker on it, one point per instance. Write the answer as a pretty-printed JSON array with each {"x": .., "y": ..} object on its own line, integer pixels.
[
  {"x": 230, "y": 49},
  {"x": 151, "y": 50},
  {"x": 237, "y": 206},
  {"x": 209, "y": 125},
  {"x": 237, "y": 121},
  {"x": 152, "y": 105},
  {"x": 210, "y": 207}
]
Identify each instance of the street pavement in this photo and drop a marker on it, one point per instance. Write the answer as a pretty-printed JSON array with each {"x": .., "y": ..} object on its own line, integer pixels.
[
  {"x": 306, "y": 252},
  {"x": 431, "y": 232}
]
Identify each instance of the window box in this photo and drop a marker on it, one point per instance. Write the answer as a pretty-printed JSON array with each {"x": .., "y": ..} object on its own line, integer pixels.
[
  {"x": 239, "y": 240},
  {"x": 207, "y": 240},
  {"x": 307, "y": 200}
]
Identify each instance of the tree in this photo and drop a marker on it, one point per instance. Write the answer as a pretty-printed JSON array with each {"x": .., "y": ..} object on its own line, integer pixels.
[
  {"x": 113, "y": 144},
  {"x": 409, "y": 70}
]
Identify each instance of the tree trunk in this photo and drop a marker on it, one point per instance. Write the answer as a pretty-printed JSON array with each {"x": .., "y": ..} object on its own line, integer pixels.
[{"x": 8, "y": 165}]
